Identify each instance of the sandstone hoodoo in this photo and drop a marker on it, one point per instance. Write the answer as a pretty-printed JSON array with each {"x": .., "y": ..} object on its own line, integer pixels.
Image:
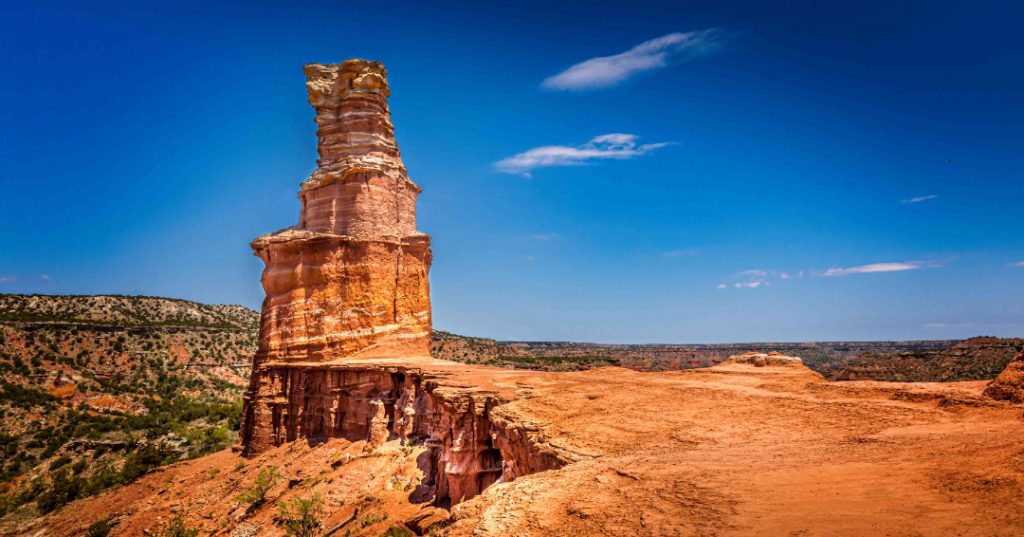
[
  {"x": 345, "y": 327},
  {"x": 350, "y": 280}
]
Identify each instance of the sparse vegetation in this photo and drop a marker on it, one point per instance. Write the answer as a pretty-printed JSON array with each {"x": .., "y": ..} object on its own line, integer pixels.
[
  {"x": 177, "y": 528},
  {"x": 300, "y": 516},
  {"x": 96, "y": 391},
  {"x": 257, "y": 493},
  {"x": 100, "y": 528}
]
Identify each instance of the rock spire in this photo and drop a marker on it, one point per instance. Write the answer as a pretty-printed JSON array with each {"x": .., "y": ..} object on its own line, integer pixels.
[{"x": 350, "y": 280}]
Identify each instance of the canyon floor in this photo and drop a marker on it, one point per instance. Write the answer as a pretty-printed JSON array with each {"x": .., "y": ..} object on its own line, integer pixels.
[{"x": 728, "y": 450}]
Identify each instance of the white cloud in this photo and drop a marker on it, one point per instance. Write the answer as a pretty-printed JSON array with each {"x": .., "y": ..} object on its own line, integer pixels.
[
  {"x": 721, "y": 286},
  {"x": 1017, "y": 264},
  {"x": 946, "y": 325},
  {"x": 650, "y": 55},
  {"x": 544, "y": 236},
  {"x": 8, "y": 279},
  {"x": 616, "y": 146},
  {"x": 880, "y": 267},
  {"x": 753, "y": 272},
  {"x": 919, "y": 199},
  {"x": 45, "y": 277},
  {"x": 754, "y": 284}
]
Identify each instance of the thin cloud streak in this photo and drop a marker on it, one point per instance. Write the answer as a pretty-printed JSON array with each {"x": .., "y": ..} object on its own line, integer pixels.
[
  {"x": 880, "y": 267},
  {"x": 919, "y": 199},
  {"x": 615, "y": 146},
  {"x": 1017, "y": 264},
  {"x": 658, "y": 53}
]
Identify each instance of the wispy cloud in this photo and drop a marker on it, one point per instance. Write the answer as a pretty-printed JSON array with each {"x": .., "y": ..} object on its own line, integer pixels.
[
  {"x": 685, "y": 252},
  {"x": 45, "y": 277},
  {"x": 543, "y": 237},
  {"x": 880, "y": 267},
  {"x": 919, "y": 199},
  {"x": 650, "y": 55},
  {"x": 1017, "y": 264},
  {"x": 755, "y": 278},
  {"x": 615, "y": 146},
  {"x": 946, "y": 325},
  {"x": 8, "y": 278}
]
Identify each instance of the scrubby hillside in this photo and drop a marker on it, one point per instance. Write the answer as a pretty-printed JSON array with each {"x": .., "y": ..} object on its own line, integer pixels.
[
  {"x": 94, "y": 390},
  {"x": 977, "y": 358}
]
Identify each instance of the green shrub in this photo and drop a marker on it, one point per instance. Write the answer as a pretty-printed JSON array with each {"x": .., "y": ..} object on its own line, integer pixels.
[
  {"x": 99, "y": 528},
  {"x": 63, "y": 489},
  {"x": 177, "y": 528},
  {"x": 300, "y": 516},
  {"x": 265, "y": 480}
]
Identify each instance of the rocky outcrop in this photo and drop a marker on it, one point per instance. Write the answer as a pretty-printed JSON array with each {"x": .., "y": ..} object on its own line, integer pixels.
[
  {"x": 760, "y": 359},
  {"x": 350, "y": 280},
  {"x": 347, "y": 311},
  {"x": 471, "y": 445},
  {"x": 1009, "y": 385}
]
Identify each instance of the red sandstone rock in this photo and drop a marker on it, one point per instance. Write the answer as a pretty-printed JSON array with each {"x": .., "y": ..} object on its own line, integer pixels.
[
  {"x": 347, "y": 289},
  {"x": 1009, "y": 385},
  {"x": 760, "y": 359},
  {"x": 350, "y": 280}
]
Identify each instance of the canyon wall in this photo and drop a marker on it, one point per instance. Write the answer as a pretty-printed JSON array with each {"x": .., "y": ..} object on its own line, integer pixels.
[{"x": 471, "y": 445}]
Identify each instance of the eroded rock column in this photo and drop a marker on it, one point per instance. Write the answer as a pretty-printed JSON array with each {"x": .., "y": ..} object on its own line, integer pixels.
[{"x": 350, "y": 280}]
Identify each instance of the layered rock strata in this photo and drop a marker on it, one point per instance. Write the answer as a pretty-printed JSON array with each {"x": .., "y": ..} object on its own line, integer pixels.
[
  {"x": 1009, "y": 385},
  {"x": 471, "y": 446},
  {"x": 350, "y": 280},
  {"x": 760, "y": 359},
  {"x": 346, "y": 292}
]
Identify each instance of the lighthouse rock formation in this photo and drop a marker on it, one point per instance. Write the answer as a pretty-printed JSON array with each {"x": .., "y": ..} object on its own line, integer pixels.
[
  {"x": 344, "y": 349},
  {"x": 350, "y": 280}
]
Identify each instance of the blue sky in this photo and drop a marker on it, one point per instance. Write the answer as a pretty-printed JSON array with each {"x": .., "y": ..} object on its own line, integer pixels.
[{"x": 629, "y": 172}]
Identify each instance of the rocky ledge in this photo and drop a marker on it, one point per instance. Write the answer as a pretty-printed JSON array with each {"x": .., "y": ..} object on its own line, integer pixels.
[{"x": 1009, "y": 385}]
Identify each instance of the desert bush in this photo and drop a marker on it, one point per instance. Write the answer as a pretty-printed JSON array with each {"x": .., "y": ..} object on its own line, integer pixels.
[
  {"x": 177, "y": 528},
  {"x": 100, "y": 528},
  {"x": 257, "y": 493},
  {"x": 300, "y": 516}
]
